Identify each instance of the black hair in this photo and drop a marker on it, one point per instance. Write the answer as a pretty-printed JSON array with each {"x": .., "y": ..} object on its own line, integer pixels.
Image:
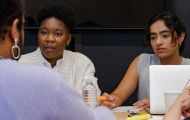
[
  {"x": 59, "y": 11},
  {"x": 172, "y": 22},
  {"x": 9, "y": 11}
]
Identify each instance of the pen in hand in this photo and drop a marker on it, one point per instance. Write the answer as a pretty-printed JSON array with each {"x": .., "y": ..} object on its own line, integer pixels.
[{"x": 102, "y": 98}]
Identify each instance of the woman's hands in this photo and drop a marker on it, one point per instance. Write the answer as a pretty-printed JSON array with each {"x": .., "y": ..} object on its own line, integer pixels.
[
  {"x": 113, "y": 100},
  {"x": 143, "y": 104}
]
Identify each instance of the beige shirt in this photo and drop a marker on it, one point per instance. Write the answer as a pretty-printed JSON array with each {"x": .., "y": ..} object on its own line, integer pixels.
[{"x": 74, "y": 67}]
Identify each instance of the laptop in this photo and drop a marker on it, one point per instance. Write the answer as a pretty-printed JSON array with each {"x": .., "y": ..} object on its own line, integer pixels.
[{"x": 165, "y": 78}]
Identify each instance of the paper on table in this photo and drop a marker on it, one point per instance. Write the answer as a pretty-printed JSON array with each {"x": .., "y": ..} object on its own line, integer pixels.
[
  {"x": 132, "y": 108},
  {"x": 131, "y": 113},
  {"x": 125, "y": 109},
  {"x": 157, "y": 117}
]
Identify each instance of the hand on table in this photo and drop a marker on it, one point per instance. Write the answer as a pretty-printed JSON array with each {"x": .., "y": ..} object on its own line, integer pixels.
[
  {"x": 112, "y": 101},
  {"x": 143, "y": 104}
]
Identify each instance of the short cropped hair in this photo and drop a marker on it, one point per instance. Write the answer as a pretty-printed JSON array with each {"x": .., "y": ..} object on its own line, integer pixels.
[
  {"x": 172, "y": 22},
  {"x": 10, "y": 10},
  {"x": 60, "y": 12}
]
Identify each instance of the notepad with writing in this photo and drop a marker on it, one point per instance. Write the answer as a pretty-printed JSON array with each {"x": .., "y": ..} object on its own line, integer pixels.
[
  {"x": 133, "y": 113},
  {"x": 138, "y": 115}
]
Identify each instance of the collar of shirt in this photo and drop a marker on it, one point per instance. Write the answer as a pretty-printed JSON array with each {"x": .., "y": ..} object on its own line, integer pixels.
[{"x": 45, "y": 62}]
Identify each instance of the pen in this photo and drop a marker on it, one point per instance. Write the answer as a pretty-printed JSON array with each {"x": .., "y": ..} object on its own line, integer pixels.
[
  {"x": 186, "y": 85},
  {"x": 102, "y": 98}
]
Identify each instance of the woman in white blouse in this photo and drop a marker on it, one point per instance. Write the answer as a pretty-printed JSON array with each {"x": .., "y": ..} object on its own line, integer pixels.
[{"x": 56, "y": 22}]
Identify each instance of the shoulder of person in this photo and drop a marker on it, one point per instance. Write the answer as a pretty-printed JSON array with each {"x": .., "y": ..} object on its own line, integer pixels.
[
  {"x": 27, "y": 69},
  {"x": 29, "y": 56},
  {"x": 77, "y": 56},
  {"x": 144, "y": 59},
  {"x": 143, "y": 56},
  {"x": 146, "y": 55},
  {"x": 186, "y": 61}
]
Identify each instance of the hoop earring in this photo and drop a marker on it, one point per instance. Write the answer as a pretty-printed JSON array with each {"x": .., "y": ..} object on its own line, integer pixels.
[{"x": 15, "y": 47}]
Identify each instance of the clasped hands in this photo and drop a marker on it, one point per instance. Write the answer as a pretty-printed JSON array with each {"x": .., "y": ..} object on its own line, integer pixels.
[{"x": 114, "y": 100}]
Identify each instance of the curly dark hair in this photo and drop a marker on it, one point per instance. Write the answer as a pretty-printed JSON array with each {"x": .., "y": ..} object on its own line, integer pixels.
[
  {"x": 10, "y": 10},
  {"x": 172, "y": 22},
  {"x": 59, "y": 11}
]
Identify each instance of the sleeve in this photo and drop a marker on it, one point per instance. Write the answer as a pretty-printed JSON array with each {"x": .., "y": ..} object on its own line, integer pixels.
[
  {"x": 89, "y": 71},
  {"x": 27, "y": 59},
  {"x": 89, "y": 74},
  {"x": 22, "y": 59}
]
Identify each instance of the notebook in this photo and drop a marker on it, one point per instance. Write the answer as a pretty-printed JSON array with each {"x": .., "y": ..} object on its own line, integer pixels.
[
  {"x": 164, "y": 78},
  {"x": 131, "y": 113}
]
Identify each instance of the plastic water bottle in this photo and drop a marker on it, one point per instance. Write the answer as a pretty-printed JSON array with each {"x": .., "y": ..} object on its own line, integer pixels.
[{"x": 89, "y": 94}]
